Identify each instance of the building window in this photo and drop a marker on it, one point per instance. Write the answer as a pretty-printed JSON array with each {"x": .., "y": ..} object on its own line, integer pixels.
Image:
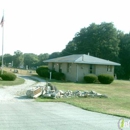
[
  {"x": 60, "y": 68},
  {"x": 68, "y": 67},
  {"x": 91, "y": 69},
  {"x": 109, "y": 68}
]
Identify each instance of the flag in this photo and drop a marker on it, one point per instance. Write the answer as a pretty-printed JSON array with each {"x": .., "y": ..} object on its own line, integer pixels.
[{"x": 2, "y": 21}]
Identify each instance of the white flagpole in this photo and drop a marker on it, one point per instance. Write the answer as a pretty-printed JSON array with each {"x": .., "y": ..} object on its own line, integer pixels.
[{"x": 2, "y": 43}]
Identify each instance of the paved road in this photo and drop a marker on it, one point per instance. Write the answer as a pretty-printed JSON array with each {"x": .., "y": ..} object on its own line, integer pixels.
[
  {"x": 52, "y": 116},
  {"x": 22, "y": 114}
]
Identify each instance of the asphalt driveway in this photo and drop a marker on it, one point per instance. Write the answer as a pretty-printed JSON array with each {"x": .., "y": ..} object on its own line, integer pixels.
[
  {"x": 19, "y": 113},
  {"x": 52, "y": 116}
]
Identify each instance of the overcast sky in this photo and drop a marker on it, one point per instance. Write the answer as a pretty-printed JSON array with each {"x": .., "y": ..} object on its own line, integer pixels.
[{"x": 46, "y": 26}]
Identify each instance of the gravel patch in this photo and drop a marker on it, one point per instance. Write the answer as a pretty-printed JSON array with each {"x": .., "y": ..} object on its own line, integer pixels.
[{"x": 18, "y": 92}]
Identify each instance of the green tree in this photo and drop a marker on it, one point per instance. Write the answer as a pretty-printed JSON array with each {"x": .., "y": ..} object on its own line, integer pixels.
[
  {"x": 54, "y": 55},
  {"x": 99, "y": 40},
  {"x": 7, "y": 59},
  {"x": 42, "y": 57},
  {"x": 18, "y": 59},
  {"x": 30, "y": 60},
  {"x": 124, "y": 55},
  {"x": 71, "y": 48}
]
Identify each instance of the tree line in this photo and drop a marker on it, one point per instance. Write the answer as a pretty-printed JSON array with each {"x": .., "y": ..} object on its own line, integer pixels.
[
  {"x": 103, "y": 41},
  {"x": 99, "y": 40},
  {"x": 20, "y": 60}
]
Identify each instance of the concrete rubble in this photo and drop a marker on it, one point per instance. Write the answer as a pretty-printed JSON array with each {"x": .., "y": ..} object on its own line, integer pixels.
[
  {"x": 50, "y": 91},
  {"x": 34, "y": 92}
]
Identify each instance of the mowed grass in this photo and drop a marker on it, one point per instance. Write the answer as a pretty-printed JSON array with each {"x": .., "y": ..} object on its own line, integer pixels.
[
  {"x": 20, "y": 71},
  {"x": 11, "y": 83},
  {"x": 117, "y": 103},
  {"x": 17, "y": 81}
]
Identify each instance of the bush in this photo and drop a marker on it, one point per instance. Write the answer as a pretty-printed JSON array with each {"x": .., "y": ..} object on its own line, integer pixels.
[
  {"x": 8, "y": 76},
  {"x": 45, "y": 73},
  {"x": 105, "y": 78},
  {"x": 58, "y": 75},
  {"x": 3, "y": 72},
  {"x": 42, "y": 71},
  {"x": 91, "y": 78}
]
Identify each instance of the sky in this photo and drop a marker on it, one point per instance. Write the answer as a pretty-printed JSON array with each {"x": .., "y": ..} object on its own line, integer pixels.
[{"x": 46, "y": 26}]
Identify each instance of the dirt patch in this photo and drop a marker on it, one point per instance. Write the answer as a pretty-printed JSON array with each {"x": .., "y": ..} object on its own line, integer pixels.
[{"x": 18, "y": 92}]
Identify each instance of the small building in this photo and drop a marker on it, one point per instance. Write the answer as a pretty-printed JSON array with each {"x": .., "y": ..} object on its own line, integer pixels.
[{"x": 76, "y": 66}]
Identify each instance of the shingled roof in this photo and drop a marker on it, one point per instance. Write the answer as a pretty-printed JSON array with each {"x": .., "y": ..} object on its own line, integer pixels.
[{"x": 83, "y": 59}]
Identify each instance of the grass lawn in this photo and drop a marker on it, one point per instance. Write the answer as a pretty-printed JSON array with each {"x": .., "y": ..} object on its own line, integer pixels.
[
  {"x": 18, "y": 80},
  {"x": 117, "y": 103},
  {"x": 10, "y": 83},
  {"x": 20, "y": 71}
]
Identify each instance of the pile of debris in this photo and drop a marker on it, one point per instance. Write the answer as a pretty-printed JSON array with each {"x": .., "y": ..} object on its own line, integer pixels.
[
  {"x": 34, "y": 92},
  {"x": 50, "y": 91}
]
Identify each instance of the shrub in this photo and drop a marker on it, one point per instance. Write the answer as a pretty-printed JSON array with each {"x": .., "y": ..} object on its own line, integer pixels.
[
  {"x": 45, "y": 73},
  {"x": 90, "y": 78},
  {"x": 41, "y": 70},
  {"x": 8, "y": 76},
  {"x": 58, "y": 75},
  {"x": 3, "y": 72},
  {"x": 105, "y": 78}
]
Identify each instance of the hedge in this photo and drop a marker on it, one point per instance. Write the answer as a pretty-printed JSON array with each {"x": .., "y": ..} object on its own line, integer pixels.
[
  {"x": 3, "y": 72},
  {"x": 8, "y": 76},
  {"x": 105, "y": 78},
  {"x": 58, "y": 75},
  {"x": 43, "y": 71},
  {"x": 91, "y": 78}
]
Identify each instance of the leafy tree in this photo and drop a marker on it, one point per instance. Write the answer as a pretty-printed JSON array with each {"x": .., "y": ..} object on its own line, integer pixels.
[
  {"x": 30, "y": 60},
  {"x": 71, "y": 48},
  {"x": 18, "y": 53},
  {"x": 54, "y": 55},
  {"x": 8, "y": 59},
  {"x": 42, "y": 57},
  {"x": 99, "y": 40},
  {"x": 18, "y": 59},
  {"x": 124, "y": 55}
]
